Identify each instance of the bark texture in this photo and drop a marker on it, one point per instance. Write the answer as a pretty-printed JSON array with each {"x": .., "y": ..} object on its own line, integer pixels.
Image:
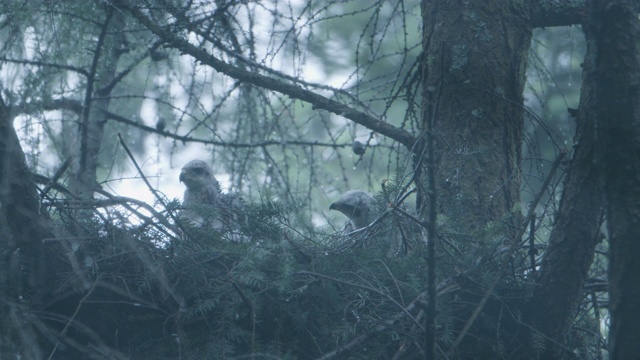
[
  {"x": 25, "y": 274},
  {"x": 576, "y": 230},
  {"x": 476, "y": 55},
  {"x": 23, "y": 226},
  {"x": 618, "y": 110}
]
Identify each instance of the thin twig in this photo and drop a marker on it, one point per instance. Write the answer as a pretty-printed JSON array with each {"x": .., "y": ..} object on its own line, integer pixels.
[
  {"x": 512, "y": 247},
  {"x": 144, "y": 178},
  {"x": 293, "y": 90},
  {"x": 423, "y": 224},
  {"x": 55, "y": 177},
  {"x": 112, "y": 200},
  {"x": 442, "y": 288},
  {"x": 369, "y": 288},
  {"x": 75, "y": 313}
]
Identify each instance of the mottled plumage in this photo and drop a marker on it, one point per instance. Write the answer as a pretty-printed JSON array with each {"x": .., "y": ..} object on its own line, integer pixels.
[
  {"x": 204, "y": 202},
  {"x": 360, "y": 207},
  {"x": 393, "y": 233}
]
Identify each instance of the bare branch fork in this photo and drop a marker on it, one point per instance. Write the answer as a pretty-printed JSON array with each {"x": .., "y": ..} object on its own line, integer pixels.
[{"x": 294, "y": 91}]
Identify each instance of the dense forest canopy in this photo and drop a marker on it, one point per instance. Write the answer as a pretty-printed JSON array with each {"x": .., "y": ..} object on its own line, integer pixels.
[{"x": 494, "y": 224}]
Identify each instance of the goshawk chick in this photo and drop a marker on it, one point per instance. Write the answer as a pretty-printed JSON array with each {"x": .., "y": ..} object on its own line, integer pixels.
[
  {"x": 393, "y": 234},
  {"x": 204, "y": 203},
  {"x": 360, "y": 207}
]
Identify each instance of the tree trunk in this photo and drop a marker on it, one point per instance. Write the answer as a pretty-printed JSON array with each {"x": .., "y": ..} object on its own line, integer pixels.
[
  {"x": 476, "y": 55},
  {"x": 96, "y": 104},
  {"x": 618, "y": 111},
  {"x": 475, "y": 59},
  {"x": 25, "y": 276},
  {"x": 576, "y": 230}
]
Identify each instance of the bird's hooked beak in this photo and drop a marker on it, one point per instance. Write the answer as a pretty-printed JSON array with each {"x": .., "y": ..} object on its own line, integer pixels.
[
  {"x": 346, "y": 209},
  {"x": 182, "y": 176}
]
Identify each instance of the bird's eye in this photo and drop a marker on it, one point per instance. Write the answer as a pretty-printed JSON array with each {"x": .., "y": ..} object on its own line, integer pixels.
[{"x": 198, "y": 171}]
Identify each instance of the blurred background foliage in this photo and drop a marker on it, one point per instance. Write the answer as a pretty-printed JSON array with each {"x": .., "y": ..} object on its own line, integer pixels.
[{"x": 261, "y": 142}]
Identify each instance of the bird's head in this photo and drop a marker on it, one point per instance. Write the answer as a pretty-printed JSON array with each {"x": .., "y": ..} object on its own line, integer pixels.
[
  {"x": 197, "y": 174},
  {"x": 358, "y": 206}
]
